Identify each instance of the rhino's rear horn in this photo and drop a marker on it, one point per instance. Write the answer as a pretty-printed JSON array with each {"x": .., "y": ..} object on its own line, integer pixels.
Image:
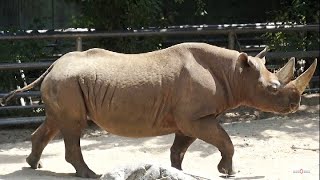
[{"x": 303, "y": 80}]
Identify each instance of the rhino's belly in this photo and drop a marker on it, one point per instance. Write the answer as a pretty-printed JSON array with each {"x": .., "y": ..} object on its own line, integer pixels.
[
  {"x": 121, "y": 125},
  {"x": 136, "y": 115}
]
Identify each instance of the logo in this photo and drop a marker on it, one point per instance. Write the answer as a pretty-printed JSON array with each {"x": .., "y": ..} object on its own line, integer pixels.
[{"x": 301, "y": 171}]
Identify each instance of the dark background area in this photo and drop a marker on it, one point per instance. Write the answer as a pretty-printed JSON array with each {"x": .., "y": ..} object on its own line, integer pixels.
[
  {"x": 56, "y": 14},
  {"x": 123, "y": 15}
]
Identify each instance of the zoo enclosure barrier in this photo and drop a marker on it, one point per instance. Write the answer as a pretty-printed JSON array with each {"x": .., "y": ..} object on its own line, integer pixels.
[{"x": 231, "y": 31}]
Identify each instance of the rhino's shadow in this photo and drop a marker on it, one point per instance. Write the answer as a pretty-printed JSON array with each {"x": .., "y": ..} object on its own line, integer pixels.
[
  {"x": 29, "y": 173},
  {"x": 15, "y": 158}
]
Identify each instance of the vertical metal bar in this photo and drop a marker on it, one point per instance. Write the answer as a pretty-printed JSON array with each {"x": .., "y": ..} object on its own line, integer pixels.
[
  {"x": 19, "y": 14},
  {"x": 23, "y": 77},
  {"x": 231, "y": 40},
  {"x": 79, "y": 44}
]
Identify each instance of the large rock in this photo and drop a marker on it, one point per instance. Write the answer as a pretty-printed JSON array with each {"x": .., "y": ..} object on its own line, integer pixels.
[{"x": 146, "y": 172}]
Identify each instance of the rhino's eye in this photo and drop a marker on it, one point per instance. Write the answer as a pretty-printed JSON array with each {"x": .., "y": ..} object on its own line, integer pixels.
[{"x": 274, "y": 86}]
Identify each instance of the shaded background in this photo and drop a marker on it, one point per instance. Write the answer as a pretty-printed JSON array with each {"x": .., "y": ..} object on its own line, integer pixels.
[{"x": 108, "y": 15}]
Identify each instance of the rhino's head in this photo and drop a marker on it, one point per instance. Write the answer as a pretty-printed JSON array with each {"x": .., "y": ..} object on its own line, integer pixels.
[{"x": 272, "y": 92}]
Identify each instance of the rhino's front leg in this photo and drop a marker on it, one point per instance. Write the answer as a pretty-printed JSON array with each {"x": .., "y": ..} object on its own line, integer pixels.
[
  {"x": 179, "y": 148},
  {"x": 209, "y": 130}
]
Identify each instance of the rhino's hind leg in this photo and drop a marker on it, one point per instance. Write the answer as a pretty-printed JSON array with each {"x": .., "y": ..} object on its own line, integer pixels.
[
  {"x": 40, "y": 138},
  {"x": 179, "y": 147},
  {"x": 209, "y": 130},
  {"x": 73, "y": 154}
]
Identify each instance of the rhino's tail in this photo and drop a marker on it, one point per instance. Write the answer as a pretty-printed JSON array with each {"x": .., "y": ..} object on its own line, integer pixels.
[{"x": 10, "y": 95}]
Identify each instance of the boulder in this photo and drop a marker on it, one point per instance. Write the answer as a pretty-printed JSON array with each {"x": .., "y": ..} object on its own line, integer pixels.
[{"x": 146, "y": 172}]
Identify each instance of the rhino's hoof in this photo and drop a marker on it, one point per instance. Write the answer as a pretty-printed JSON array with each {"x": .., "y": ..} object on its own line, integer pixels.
[
  {"x": 227, "y": 172},
  {"x": 34, "y": 164},
  {"x": 88, "y": 174},
  {"x": 226, "y": 169}
]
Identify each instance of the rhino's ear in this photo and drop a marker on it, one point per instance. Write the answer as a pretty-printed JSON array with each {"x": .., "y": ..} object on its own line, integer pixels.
[
  {"x": 263, "y": 53},
  {"x": 244, "y": 59}
]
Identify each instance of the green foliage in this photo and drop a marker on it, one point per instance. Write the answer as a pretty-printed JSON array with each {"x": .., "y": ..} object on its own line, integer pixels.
[
  {"x": 295, "y": 12},
  {"x": 125, "y": 15},
  {"x": 23, "y": 51},
  {"x": 14, "y": 51},
  {"x": 121, "y": 15},
  {"x": 298, "y": 11},
  {"x": 180, "y": 12}
]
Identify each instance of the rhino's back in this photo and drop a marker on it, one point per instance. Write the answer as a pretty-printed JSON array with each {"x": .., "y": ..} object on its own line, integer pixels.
[
  {"x": 132, "y": 91},
  {"x": 123, "y": 68}
]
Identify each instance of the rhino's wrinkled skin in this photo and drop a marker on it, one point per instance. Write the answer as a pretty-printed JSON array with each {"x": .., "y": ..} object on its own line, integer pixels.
[{"x": 181, "y": 90}]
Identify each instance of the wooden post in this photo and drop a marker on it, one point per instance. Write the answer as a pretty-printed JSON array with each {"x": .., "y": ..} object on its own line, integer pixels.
[
  {"x": 231, "y": 40},
  {"x": 79, "y": 44}
]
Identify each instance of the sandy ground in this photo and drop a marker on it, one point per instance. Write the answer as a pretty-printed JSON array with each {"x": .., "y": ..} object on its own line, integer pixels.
[{"x": 273, "y": 148}]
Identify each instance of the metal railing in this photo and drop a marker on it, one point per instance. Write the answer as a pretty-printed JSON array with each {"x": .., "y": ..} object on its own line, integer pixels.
[
  {"x": 226, "y": 29},
  {"x": 80, "y": 34}
]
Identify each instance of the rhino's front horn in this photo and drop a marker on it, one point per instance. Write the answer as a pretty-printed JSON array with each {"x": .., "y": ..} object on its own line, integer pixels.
[
  {"x": 285, "y": 74},
  {"x": 303, "y": 80}
]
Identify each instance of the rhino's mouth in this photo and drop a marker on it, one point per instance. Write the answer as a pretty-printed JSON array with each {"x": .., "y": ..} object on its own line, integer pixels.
[{"x": 290, "y": 109}]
